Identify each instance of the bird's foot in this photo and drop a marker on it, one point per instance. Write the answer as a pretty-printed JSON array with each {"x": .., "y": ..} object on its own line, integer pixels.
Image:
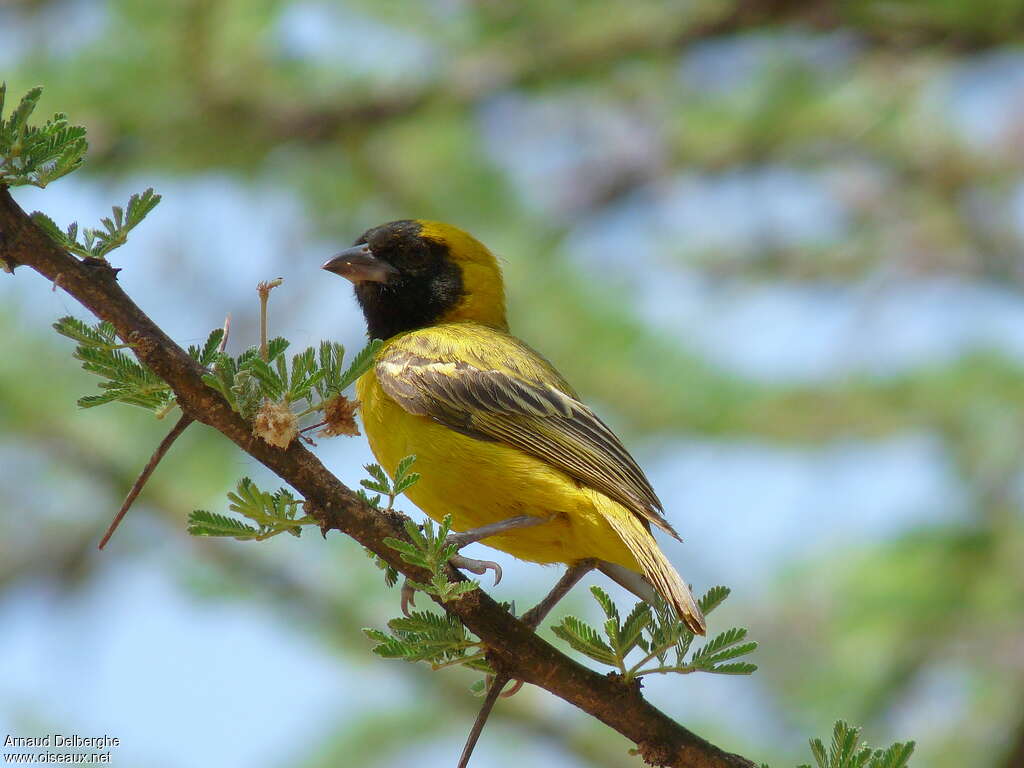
[
  {"x": 479, "y": 567},
  {"x": 475, "y": 534}
]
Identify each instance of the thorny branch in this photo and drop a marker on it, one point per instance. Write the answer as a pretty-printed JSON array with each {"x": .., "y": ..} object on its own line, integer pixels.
[{"x": 514, "y": 649}]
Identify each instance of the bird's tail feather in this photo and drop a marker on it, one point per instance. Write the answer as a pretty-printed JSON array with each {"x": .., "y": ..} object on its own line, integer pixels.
[{"x": 657, "y": 570}]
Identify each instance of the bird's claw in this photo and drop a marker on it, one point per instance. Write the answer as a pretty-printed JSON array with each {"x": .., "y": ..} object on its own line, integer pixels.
[
  {"x": 408, "y": 597},
  {"x": 516, "y": 685},
  {"x": 479, "y": 567}
]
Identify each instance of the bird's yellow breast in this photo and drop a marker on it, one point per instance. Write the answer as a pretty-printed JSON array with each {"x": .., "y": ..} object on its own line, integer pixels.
[{"x": 479, "y": 482}]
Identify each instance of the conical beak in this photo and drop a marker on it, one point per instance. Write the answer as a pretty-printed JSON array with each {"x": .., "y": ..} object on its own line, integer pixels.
[{"x": 359, "y": 265}]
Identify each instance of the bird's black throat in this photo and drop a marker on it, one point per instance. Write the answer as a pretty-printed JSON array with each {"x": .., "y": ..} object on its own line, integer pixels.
[{"x": 428, "y": 285}]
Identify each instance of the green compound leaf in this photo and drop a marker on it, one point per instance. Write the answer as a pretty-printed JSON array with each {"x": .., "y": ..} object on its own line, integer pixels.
[
  {"x": 125, "y": 379},
  {"x": 97, "y": 243},
  {"x": 273, "y": 513},
  {"x": 845, "y": 751},
  {"x": 439, "y": 639},
  {"x": 658, "y": 637}
]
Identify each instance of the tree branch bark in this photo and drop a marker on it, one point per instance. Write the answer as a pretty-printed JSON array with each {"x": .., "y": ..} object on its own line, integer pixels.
[{"x": 514, "y": 647}]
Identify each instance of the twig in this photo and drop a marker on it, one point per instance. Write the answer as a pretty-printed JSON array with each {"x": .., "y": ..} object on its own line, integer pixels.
[
  {"x": 227, "y": 332},
  {"x": 532, "y": 618},
  {"x": 147, "y": 470},
  {"x": 499, "y": 682},
  {"x": 263, "y": 290}
]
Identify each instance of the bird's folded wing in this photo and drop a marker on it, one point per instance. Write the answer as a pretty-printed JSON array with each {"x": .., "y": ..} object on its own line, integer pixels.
[{"x": 494, "y": 387}]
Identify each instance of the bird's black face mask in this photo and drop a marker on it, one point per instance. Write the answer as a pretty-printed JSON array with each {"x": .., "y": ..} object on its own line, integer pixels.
[{"x": 402, "y": 281}]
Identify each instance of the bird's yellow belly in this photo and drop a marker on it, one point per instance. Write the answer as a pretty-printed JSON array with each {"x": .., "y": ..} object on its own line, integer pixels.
[{"x": 479, "y": 482}]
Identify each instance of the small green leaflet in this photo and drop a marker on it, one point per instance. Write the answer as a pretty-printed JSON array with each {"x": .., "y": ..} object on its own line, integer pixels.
[
  {"x": 203, "y": 523},
  {"x": 585, "y": 639},
  {"x": 378, "y": 480},
  {"x": 380, "y": 483}
]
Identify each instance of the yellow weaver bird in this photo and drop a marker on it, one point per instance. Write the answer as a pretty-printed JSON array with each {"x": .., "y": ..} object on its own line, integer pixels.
[{"x": 502, "y": 442}]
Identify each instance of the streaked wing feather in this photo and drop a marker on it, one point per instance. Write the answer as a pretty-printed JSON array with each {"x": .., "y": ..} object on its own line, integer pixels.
[{"x": 525, "y": 412}]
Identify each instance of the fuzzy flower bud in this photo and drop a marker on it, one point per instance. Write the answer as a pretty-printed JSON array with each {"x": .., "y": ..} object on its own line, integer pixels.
[
  {"x": 276, "y": 424},
  {"x": 340, "y": 415}
]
